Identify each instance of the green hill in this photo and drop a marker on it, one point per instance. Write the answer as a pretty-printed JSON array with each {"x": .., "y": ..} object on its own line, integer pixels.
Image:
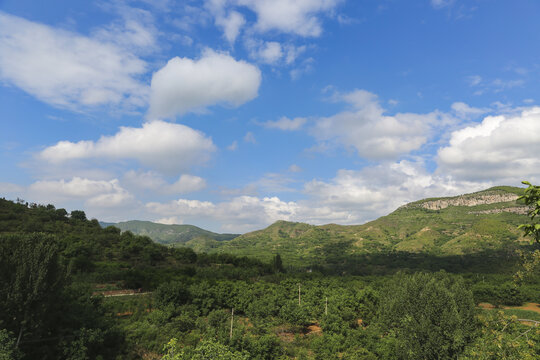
[
  {"x": 461, "y": 225},
  {"x": 169, "y": 234}
]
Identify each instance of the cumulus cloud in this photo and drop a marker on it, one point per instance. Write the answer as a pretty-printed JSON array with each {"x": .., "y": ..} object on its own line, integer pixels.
[
  {"x": 300, "y": 17},
  {"x": 269, "y": 52},
  {"x": 150, "y": 180},
  {"x": 70, "y": 70},
  {"x": 373, "y": 134},
  {"x": 163, "y": 146},
  {"x": 189, "y": 85},
  {"x": 242, "y": 213},
  {"x": 97, "y": 193},
  {"x": 503, "y": 149},
  {"x": 464, "y": 111},
  {"x": 351, "y": 197},
  {"x": 357, "y": 196},
  {"x": 286, "y": 124}
]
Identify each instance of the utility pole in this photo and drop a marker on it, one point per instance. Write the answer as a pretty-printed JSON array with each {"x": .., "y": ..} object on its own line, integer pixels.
[
  {"x": 299, "y": 301},
  {"x": 326, "y": 306},
  {"x": 232, "y": 320}
]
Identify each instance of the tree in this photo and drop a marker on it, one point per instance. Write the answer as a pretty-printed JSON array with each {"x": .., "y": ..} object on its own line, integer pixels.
[
  {"x": 205, "y": 350},
  {"x": 174, "y": 292},
  {"x": 531, "y": 262},
  {"x": 78, "y": 215},
  {"x": 277, "y": 264},
  {"x": 532, "y": 198},
  {"x": 30, "y": 282},
  {"x": 430, "y": 316},
  {"x": 8, "y": 351}
]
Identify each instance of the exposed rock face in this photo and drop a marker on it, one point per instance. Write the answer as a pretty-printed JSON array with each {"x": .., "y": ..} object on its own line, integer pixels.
[
  {"x": 468, "y": 201},
  {"x": 521, "y": 210}
]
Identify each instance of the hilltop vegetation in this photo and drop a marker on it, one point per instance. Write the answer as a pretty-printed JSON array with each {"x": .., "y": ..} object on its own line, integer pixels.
[
  {"x": 482, "y": 222},
  {"x": 169, "y": 234}
]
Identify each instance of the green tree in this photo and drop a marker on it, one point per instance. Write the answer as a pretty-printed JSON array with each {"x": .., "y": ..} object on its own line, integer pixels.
[
  {"x": 532, "y": 199},
  {"x": 30, "y": 283},
  {"x": 78, "y": 215},
  {"x": 8, "y": 351},
  {"x": 205, "y": 350},
  {"x": 277, "y": 264},
  {"x": 531, "y": 261},
  {"x": 174, "y": 292},
  {"x": 431, "y": 316}
]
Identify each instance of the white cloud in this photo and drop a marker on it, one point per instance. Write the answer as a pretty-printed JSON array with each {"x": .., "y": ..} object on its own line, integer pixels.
[
  {"x": 305, "y": 67},
  {"x": 439, "y": 4},
  {"x": 242, "y": 213},
  {"x": 292, "y": 52},
  {"x": 231, "y": 24},
  {"x": 188, "y": 183},
  {"x": 163, "y": 146},
  {"x": 351, "y": 197},
  {"x": 233, "y": 146},
  {"x": 11, "y": 189},
  {"x": 189, "y": 85},
  {"x": 173, "y": 220},
  {"x": 474, "y": 80},
  {"x": 135, "y": 31},
  {"x": 295, "y": 168},
  {"x": 501, "y": 149},
  {"x": 270, "y": 52},
  {"x": 231, "y": 21},
  {"x": 152, "y": 181},
  {"x": 300, "y": 17},
  {"x": 465, "y": 111},
  {"x": 373, "y": 134},
  {"x": 286, "y": 124},
  {"x": 97, "y": 193},
  {"x": 69, "y": 70},
  {"x": 250, "y": 138}
]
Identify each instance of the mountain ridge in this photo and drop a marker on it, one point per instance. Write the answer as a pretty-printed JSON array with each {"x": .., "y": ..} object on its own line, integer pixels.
[
  {"x": 486, "y": 220},
  {"x": 169, "y": 234}
]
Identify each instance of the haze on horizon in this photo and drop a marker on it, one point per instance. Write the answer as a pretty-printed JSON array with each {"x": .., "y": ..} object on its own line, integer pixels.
[{"x": 232, "y": 114}]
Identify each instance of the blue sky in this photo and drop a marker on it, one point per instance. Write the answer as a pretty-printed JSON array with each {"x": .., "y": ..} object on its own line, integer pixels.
[{"x": 232, "y": 114}]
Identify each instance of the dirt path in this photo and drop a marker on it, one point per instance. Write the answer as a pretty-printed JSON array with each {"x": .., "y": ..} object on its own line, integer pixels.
[
  {"x": 111, "y": 293},
  {"x": 528, "y": 306}
]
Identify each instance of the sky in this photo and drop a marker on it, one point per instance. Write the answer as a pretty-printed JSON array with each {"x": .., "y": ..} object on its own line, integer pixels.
[{"x": 233, "y": 114}]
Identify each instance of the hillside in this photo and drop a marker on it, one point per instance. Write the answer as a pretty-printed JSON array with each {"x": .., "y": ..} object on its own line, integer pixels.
[
  {"x": 461, "y": 225},
  {"x": 169, "y": 234}
]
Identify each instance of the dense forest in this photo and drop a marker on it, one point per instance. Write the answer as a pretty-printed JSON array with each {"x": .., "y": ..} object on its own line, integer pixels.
[{"x": 70, "y": 289}]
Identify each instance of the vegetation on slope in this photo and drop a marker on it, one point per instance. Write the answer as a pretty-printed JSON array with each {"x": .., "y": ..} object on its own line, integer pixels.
[
  {"x": 483, "y": 225},
  {"x": 169, "y": 234}
]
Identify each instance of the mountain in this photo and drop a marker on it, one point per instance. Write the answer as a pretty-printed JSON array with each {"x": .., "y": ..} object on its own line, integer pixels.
[
  {"x": 170, "y": 234},
  {"x": 460, "y": 225}
]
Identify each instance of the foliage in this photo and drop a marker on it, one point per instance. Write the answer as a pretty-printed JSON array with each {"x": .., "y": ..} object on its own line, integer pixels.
[
  {"x": 532, "y": 199},
  {"x": 172, "y": 293},
  {"x": 189, "y": 296},
  {"x": 277, "y": 264},
  {"x": 206, "y": 350},
  {"x": 170, "y": 234},
  {"x": 503, "y": 337},
  {"x": 431, "y": 315},
  {"x": 30, "y": 283},
  {"x": 8, "y": 351}
]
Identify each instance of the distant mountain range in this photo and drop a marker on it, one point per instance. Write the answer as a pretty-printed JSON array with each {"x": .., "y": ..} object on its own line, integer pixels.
[
  {"x": 170, "y": 234},
  {"x": 467, "y": 224}
]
